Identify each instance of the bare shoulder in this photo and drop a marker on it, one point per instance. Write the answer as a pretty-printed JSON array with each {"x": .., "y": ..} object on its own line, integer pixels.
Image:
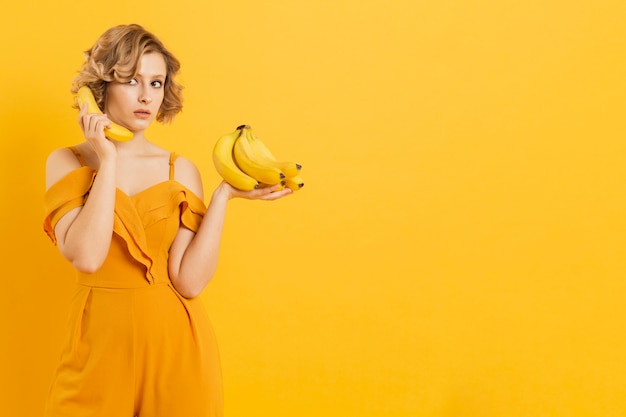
[
  {"x": 187, "y": 173},
  {"x": 60, "y": 162}
]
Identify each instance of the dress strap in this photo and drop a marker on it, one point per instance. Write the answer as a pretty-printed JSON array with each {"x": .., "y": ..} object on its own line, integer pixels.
[
  {"x": 78, "y": 155},
  {"x": 173, "y": 157}
]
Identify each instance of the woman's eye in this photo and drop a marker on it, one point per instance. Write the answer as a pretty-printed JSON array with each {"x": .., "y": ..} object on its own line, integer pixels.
[
  {"x": 157, "y": 84},
  {"x": 133, "y": 82}
]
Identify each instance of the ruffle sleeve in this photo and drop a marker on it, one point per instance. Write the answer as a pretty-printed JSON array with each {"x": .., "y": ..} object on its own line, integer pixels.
[
  {"x": 67, "y": 194},
  {"x": 190, "y": 207},
  {"x": 192, "y": 210}
]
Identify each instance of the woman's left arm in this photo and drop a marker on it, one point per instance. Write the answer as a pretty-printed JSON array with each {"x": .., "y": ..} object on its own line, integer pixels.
[{"x": 193, "y": 256}]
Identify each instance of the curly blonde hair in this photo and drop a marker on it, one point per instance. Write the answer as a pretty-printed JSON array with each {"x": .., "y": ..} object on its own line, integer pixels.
[{"x": 115, "y": 57}]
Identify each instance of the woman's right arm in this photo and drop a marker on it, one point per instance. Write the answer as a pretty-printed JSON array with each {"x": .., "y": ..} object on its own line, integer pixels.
[{"x": 84, "y": 233}]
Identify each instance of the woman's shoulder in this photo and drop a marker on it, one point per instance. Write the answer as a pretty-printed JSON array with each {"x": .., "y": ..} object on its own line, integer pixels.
[
  {"x": 59, "y": 163},
  {"x": 186, "y": 172},
  {"x": 73, "y": 155},
  {"x": 185, "y": 164}
]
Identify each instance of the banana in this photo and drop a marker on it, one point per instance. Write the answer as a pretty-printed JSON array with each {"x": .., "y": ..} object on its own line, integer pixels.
[
  {"x": 226, "y": 166},
  {"x": 294, "y": 183},
  {"x": 265, "y": 156},
  {"x": 246, "y": 159},
  {"x": 115, "y": 132}
]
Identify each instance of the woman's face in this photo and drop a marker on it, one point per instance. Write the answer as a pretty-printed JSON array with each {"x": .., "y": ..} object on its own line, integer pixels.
[{"x": 135, "y": 104}]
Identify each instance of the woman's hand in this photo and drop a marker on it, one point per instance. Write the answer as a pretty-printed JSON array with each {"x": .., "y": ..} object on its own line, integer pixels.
[
  {"x": 265, "y": 193},
  {"x": 93, "y": 126}
]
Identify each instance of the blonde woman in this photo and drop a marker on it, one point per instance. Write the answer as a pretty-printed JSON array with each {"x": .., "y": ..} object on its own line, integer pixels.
[{"x": 130, "y": 217}]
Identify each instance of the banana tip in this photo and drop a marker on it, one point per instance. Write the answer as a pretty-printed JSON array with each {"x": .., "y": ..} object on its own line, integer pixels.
[{"x": 241, "y": 127}]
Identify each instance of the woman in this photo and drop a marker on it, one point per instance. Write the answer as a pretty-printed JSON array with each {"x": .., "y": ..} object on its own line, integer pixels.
[{"x": 130, "y": 217}]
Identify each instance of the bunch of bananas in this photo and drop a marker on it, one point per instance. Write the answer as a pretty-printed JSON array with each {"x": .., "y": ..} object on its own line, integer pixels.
[{"x": 246, "y": 163}]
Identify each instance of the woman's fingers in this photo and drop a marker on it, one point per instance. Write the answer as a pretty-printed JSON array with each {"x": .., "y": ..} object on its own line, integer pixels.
[
  {"x": 93, "y": 125},
  {"x": 275, "y": 195},
  {"x": 267, "y": 193}
]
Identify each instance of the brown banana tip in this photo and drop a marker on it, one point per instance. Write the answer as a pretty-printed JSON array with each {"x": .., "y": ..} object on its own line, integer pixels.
[
  {"x": 256, "y": 186},
  {"x": 282, "y": 175},
  {"x": 298, "y": 166},
  {"x": 283, "y": 182},
  {"x": 241, "y": 127}
]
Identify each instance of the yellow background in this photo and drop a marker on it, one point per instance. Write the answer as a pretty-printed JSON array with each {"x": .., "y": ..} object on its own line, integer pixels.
[{"x": 458, "y": 248}]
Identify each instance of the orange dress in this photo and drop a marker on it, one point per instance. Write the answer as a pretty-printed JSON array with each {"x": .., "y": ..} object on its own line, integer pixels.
[{"x": 135, "y": 346}]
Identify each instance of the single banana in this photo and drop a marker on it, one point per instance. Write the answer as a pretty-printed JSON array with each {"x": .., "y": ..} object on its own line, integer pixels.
[
  {"x": 115, "y": 132},
  {"x": 226, "y": 166},
  {"x": 247, "y": 161},
  {"x": 294, "y": 183},
  {"x": 265, "y": 156}
]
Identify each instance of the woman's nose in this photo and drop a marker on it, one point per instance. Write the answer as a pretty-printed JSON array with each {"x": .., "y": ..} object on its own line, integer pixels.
[{"x": 145, "y": 99}]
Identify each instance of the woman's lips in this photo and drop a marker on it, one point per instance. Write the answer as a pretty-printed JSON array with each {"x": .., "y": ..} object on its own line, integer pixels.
[{"x": 142, "y": 114}]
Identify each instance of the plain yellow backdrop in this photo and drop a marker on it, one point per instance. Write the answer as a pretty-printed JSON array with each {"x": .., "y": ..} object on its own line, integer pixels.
[{"x": 458, "y": 248}]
